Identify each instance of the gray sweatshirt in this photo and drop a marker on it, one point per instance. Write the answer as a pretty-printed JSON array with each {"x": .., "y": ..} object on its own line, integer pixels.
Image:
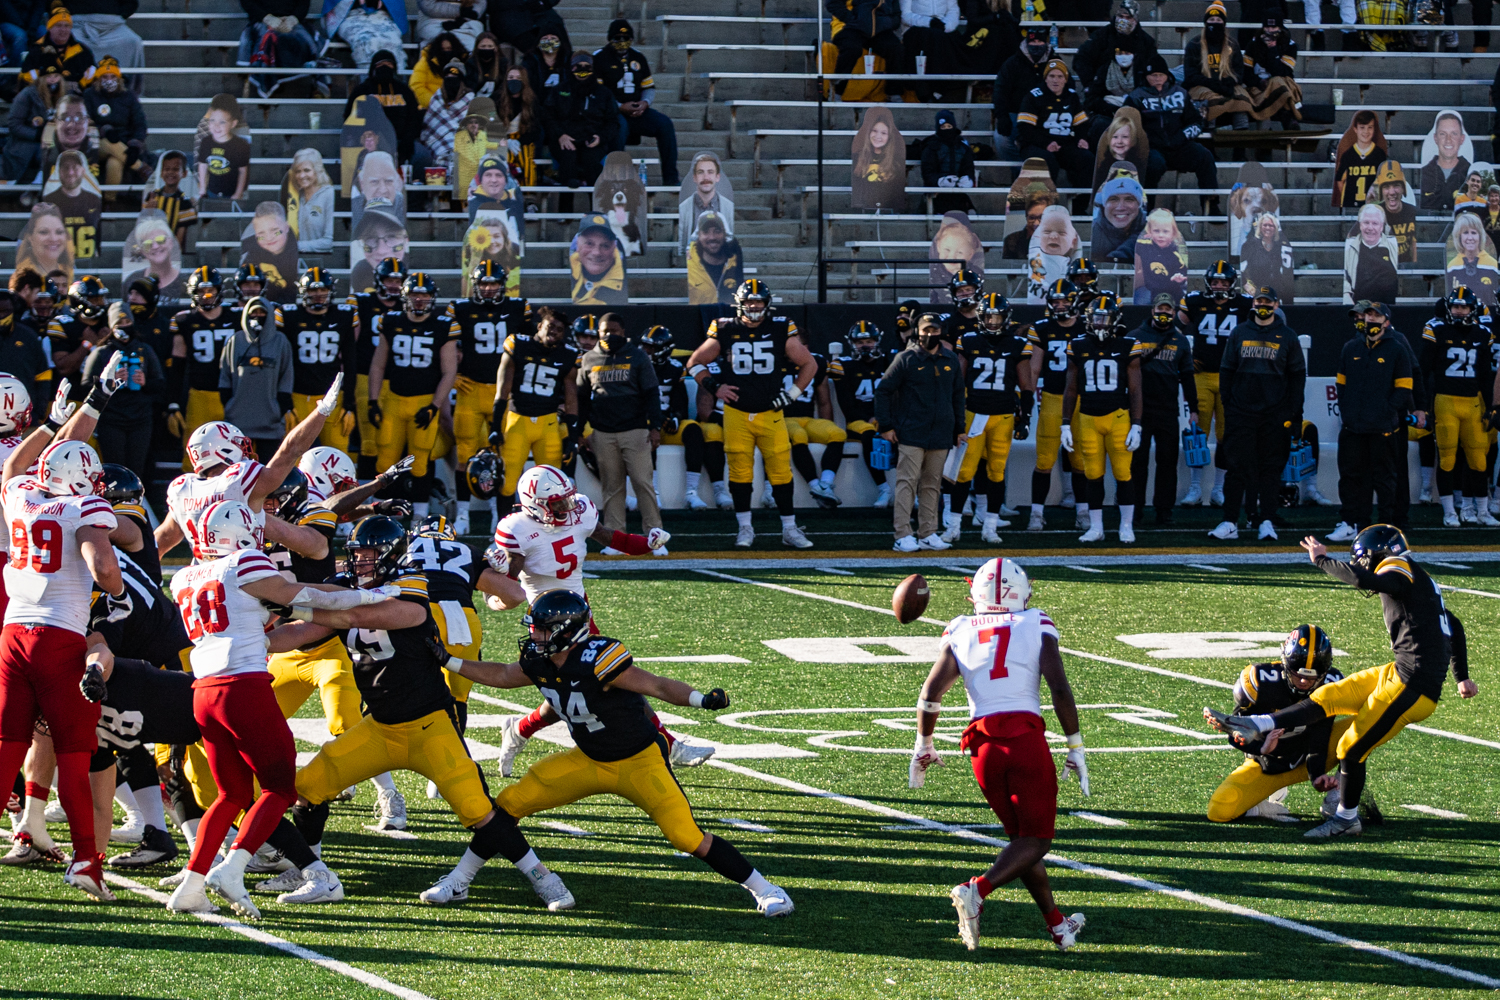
[{"x": 256, "y": 374}]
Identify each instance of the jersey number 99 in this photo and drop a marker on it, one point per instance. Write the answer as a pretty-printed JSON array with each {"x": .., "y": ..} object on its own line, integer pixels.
[{"x": 41, "y": 550}]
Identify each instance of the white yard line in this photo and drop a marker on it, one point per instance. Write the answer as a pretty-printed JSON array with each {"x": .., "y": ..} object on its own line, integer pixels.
[
  {"x": 1185, "y": 895},
  {"x": 1094, "y": 817},
  {"x": 280, "y": 944},
  {"x": 745, "y": 824},
  {"x": 1457, "y": 736},
  {"x": 1081, "y": 569},
  {"x": 834, "y": 571},
  {"x": 1466, "y": 590},
  {"x": 567, "y": 828},
  {"x": 1206, "y": 567},
  {"x": 1434, "y": 811}
]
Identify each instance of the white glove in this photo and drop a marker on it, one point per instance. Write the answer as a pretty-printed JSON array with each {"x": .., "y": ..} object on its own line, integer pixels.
[
  {"x": 1133, "y": 439},
  {"x": 61, "y": 408},
  {"x": 114, "y": 374},
  {"x": 947, "y": 182},
  {"x": 1075, "y": 766},
  {"x": 966, "y": 182},
  {"x": 381, "y": 593},
  {"x": 494, "y": 603},
  {"x": 1067, "y": 438},
  {"x": 404, "y": 465},
  {"x": 923, "y": 756},
  {"x": 794, "y": 391},
  {"x": 330, "y": 400},
  {"x": 657, "y": 537}
]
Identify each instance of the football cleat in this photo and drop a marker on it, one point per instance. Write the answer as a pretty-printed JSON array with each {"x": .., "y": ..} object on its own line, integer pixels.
[
  {"x": 1344, "y": 532},
  {"x": 347, "y": 795},
  {"x": 686, "y": 754},
  {"x": 1006, "y": 510},
  {"x": 451, "y": 888},
  {"x": 194, "y": 900},
  {"x": 432, "y": 790},
  {"x": 793, "y": 537},
  {"x": 1237, "y": 726},
  {"x": 1216, "y": 498},
  {"x": 1310, "y": 494},
  {"x": 610, "y": 550},
  {"x": 1330, "y": 806},
  {"x": 554, "y": 893},
  {"x": 990, "y": 534},
  {"x": 1426, "y": 495},
  {"x": 695, "y": 502},
  {"x": 883, "y": 496},
  {"x": 823, "y": 493},
  {"x": 907, "y": 543},
  {"x": 1081, "y": 519},
  {"x": 1094, "y": 534},
  {"x": 1065, "y": 934},
  {"x": 87, "y": 876},
  {"x": 722, "y": 497},
  {"x": 230, "y": 883},
  {"x": 969, "y": 906},
  {"x": 1267, "y": 809},
  {"x": 288, "y": 881},
  {"x": 1466, "y": 512},
  {"x": 1127, "y": 534},
  {"x": 176, "y": 878},
  {"x": 953, "y": 526},
  {"x": 131, "y": 832},
  {"x": 1267, "y": 530},
  {"x": 774, "y": 902},
  {"x": 54, "y": 812},
  {"x": 1485, "y": 518},
  {"x": 1193, "y": 496},
  {"x": 511, "y": 744},
  {"x": 23, "y": 851},
  {"x": 1335, "y": 826},
  {"x": 745, "y": 537},
  {"x": 632, "y": 504},
  {"x": 267, "y": 861},
  {"x": 1067, "y": 499},
  {"x": 461, "y": 521},
  {"x": 156, "y": 848},
  {"x": 1038, "y": 522},
  {"x": 390, "y": 809},
  {"x": 767, "y": 497},
  {"x": 934, "y": 542},
  {"x": 319, "y": 886},
  {"x": 1450, "y": 520},
  {"x": 1226, "y": 531},
  {"x": 660, "y": 550}
]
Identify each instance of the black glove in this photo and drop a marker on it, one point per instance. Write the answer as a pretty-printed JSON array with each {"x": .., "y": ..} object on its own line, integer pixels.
[
  {"x": 435, "y": 646},
  {"x": 782, "y": 401},
  {"x": 424, "y": 416},
  {"x": 590, "y": 460},
  {"x": 670, "y": 424},
  {"x": 495, "y": 440},
  {"x": 118, "y": 608},
  {"x": 574, "y": 425},
  {"x": 392, "y": 508},
  {"x": 373, "y": 412},
  {"x": 176, "y": 757},
  {"x": 1023, "y": 426},
  {"x": 1492, "y": 418},
  {"x": 276, "y": 608},
  {"x": 92, "y": 683},
  {"x": 716, "y": 699},
  {"x": 343, "y": 580}
]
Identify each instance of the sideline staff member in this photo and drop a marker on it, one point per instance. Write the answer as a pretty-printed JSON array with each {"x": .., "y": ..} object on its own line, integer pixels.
[{"x": 1375, "y": 394}]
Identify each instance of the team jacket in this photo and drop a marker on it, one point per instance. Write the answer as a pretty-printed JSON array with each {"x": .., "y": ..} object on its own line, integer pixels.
[
  {"x": 1375, "y": 385},
  {"x": 1046, "y": 118},
  {"x": 1263, "y": 373}
]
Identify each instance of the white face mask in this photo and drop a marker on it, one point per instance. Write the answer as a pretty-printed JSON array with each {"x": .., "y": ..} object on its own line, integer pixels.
[{"x": 1125, "y": 59}]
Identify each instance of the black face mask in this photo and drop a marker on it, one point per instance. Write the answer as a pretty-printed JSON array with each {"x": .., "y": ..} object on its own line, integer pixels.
[
  {"x": 486, "y": 56},
  {"x": 583, "y": 75},
  {"x": 385, "y": 73},
  {"x": 451, "y": 87},
  {"x": 513, "y": 87},
  {"x": 1037, "y": 51},
  {"x": 948, "y": 134},
  {"x": 1214, "y": 33}
]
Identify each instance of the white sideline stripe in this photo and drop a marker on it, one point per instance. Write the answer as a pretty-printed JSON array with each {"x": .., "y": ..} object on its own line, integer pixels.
[
  {"x": 1466, "y": 590},
  {"x": 567, "y": 828},
  {"x": 937, "y": 560},
  {"x": 1150, "y": 670},
  {"x": 1186, "y": 895},
  {"x": 1094, "y": 817},
  {"x": 1456, "y": 736},
  {"x": 1206, "y": 566},
  {"x": 745, "y": 824},
  {"x": 1082, "y": 569},
  {"x": 961, "y": 570},
  {"x": 280, "y": 944},
  {"x": 705, "y": 658},
  {"x": 834, "y": 571},
  {"x": 1446, "y": 565},
  {"x": 816, "y": 597},
  {"x": 1434, "y": 811}
]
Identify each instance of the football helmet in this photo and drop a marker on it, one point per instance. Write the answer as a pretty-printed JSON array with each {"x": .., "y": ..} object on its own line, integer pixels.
[
  {"x": 314, "y": 280},
  {"x": 1375, "y": 544},
  {"x": 329, "y": 470},
  {"x": 227, "y": 527},
  {"x": 965, "y": 277},
  {"x": 752, "y": 292},
  {"x": 375, "y": 550},
  {"x": 121, "y": 485},
  {"x": 1220, "y": 279},
  {"x": 583, "y": 327},
  {"x": 547, "y": 496},
  {"x": 1462, "y": 295},
  {"x": 434, "y": 526},
  {"x": 997, "y": 306},
  {"x": 1083, "y": 273},
  {"x": 906, "y": 315},
  {"x": 659, "y": 343},
  {"x": 864, "y": 340},
  {"x": 558, "y": 620},
  {"x": 484, "y": 475},
  {"x": 390, "y": 273},
  {"x": 1306, "y": 654},
  {"x": 44, "y": 302},
  {"x": 149, "y": 287},
  {"x": 71, "y": 468},
  {"x": 249, "y": 274},
  {"x": 216, "y": 442},
  {"x": 418, "y": 284},
  {"x": 15, "y": 405},
  {"x": 1000, "y": 585},
  {"x": 205, "y": 287},
  {"x": 290, "y": 495},
  {"x": 487, "y": 276},
  {"x": 88, "y": 299},
  {"x": 1061, "y": 297},
  {"x": 1104, "y": 316}
]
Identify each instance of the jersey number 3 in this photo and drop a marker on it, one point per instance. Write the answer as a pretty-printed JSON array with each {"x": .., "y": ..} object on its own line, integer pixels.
[{"x": 1001, "y": 638}]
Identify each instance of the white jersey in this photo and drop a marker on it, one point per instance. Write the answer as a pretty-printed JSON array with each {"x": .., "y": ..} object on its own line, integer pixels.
[
  {"x": 46, "y": 578},
  {"x": 190, "y": 494},
  {"x": 554, "y": 559},
  {"x": 1000, "y": 657},
  {"x": 227, "y": 625},
  {"x": 8, "y": 445}
]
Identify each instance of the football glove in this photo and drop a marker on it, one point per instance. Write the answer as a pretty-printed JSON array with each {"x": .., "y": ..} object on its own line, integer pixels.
[
  {"x": 714, "y": 700},
  {"x": 330, "y": 400},
  {"x": 276, "y": 608},
  {"x": 656, "y": 538},
  {"x": 434, "y": 644},
  {"x": 61, "y": 408},
  {"x": 424, "y": 416},
  {"x": 1023, "y": 427},
  {"x": 669, "y": 425},
  {"x": 1067, "y": 438},
  {"x": 92, "y": 683},
  {"x": 1492, "y": 418},
  {"x": 1133, "y": 437},
  {"x": 347, "y": 423},
  {"x": 782, "y": 401},
  {"x": 176, "y": 422},
  {"x": 923, "y": 756},
  {"x": 119, "y": 607},
  {"x": 373, "y": 413},
  {"x": 399, "y": 468},
  {"x": 1075, "y": 766},
  {"x": 392, "y": 508}
]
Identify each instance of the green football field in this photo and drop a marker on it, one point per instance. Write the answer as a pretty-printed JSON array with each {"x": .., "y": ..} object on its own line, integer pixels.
[{"x": 811, "y": 785}]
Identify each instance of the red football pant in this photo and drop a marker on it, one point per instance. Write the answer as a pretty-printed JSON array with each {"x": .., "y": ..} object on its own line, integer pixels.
[
  {"x": 1019, "y": 782},
  {"x": 245, "y": 738},
  {"x": 40, "y": 667}
]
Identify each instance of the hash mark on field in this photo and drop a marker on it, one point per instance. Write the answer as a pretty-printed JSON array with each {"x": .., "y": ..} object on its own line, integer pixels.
[
  {"x": 745, "y": 824},
  {"x": 961, "y": 570},
  {"x": 567, "y": 828},
  {"x": 393, "y": 834},
  {"x": 1094, "y": 817},
  {"x": 1084, "y": 569},
  {"x": 1434, "y": 811},
  {"x": 1446, "y": 565},
  {"x": 835, "y": 572},
  {"x": 1466, "y": 590},
  {"x": 1205, "y": 566},
  {"x": 956, "y": 826},
  {"x": 705, "y": 658}
]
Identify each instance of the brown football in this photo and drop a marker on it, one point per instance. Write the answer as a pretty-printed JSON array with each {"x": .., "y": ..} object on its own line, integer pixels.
[{"x": 910, "y": 598}]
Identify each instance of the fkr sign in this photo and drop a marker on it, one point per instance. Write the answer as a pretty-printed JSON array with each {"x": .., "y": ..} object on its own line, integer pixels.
[{"x": 1209, "y": 645}]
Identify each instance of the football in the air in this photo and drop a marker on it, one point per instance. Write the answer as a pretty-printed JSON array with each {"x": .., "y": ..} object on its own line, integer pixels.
[{"x": 910, "y": 598}]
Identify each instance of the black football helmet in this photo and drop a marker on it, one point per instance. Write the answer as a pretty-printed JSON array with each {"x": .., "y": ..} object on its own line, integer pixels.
[
  {"x": 1105, "y": 316},
  {"x": 1220, "y": 279},
  {"x": 965, "y": 277},
  {"x": 121, "y": 485},
  {"x": 906, "y": 315},
  {"x": 434, "y": 526},
  {"x": 864, "y": 339},
  {"x": 384, "y": 540},
  {"x": 390, "y": 275},
  {"x": 484, "y": 475},
  {"x": 1377, "y": 543},
  {"x": 248, "y": 274},
  {"x": 88, "y": 299},
  {"x": 1462, "y": 295},
  {"x": 583, "y": 327},
  {"x": 1306, "y": 654},
  {"x": 1062, "y": 297},
  {"x": 558, "y": 620},
  {"x": 659, "y": 343},
  {"x": 149, "y": 288},
  {"x": 487, "y": 276},
  {"x": 994, "y": 304},
  {"x": 1083, "y": 273},
  {"x": 752, "y": 291},
  {"x": 290, "y": 495},
  {"x": 45, "y": 301},
  {"x": 205, "y": 287},
  {"x": 315, "y": 279},
  {"x": 419, "y": 283}
]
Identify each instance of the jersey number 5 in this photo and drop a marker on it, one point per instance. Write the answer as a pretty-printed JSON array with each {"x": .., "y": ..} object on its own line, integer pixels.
[
  {"x": 567, "y": 562},
  {"x": 1001, "y": 637}
]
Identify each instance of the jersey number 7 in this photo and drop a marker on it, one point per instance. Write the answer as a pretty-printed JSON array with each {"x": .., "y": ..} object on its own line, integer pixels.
[{"x": 1001, "y": 636}]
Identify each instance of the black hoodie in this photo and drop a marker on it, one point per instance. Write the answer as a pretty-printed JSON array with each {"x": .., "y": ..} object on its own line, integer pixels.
[{"x": 397, "y": 98}]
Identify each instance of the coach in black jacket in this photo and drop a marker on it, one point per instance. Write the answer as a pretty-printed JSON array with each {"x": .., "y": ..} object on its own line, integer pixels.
[
  {"x": 1376, "y": 392},
  {"x": 1166, "y": 364}
]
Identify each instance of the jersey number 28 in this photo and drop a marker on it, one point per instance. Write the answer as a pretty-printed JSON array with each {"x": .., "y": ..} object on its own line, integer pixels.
[{"x": 203, "y": 611}]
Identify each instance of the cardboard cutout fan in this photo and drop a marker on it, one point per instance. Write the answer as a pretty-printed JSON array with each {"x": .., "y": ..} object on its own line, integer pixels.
[
  {"x": 1032, "y": 183},
  {"x": 1119, "y": 215},
  {"x": 379, "y": 234},
  {"x": 1251, "y": 197},
  {"x": 1471, "y": 196},
  {"x": 1361, "y": 152},
  {"x": 268, "y": 243},
  {"x": 878, "y": 155},
  {"x": 954, "y": 245},
  {"x": 620, "y": 196},
  {"x": 377, "y": 184},
  {"x": 1123, "y": 139},
  {"x": 1469, "y": 258},
  {"x": 1391, "y": 192},
  {"x": 75, "y": 192},
  {"x": 45, "y": 246},
  {"x": 307, "y": 195},
  {"x": 495, "y": 190},
  {"x": 704, "y": 189},
  {"x": 180, "y": 165},
  {"x": 1371, "y": 259},
  {"x": 597, "y": 262},
  {"x": 492, "y": 236},
  {"x": 715, "y": 263},
  {"x": 1265, "y": 259},
  {"x": 1054, "y": 246},
  {"x": 151, "y": 249},
  {"x": 221, "y": 148},
  {"x": 1446, "y": 154},
  {"x": 1161, "y": 259},
  {"x": 366, "y": 130},
  {"x": 475, "y": 139}
]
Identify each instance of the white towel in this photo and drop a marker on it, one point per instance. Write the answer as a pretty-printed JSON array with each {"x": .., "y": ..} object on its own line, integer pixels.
[{"x": 458, "y": 623}]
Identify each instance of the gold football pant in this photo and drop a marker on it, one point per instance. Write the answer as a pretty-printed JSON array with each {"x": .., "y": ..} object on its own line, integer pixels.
[
  {"x": 644, "y": 779},
  {"x": 369, "y": 437},
  {"x": 458, "y": 685},
  {"x": 1210, "y": 405},
  {"x": 713, "y": 433},
  {"x": 1381, "y": 703},
  {"x": 993, "y": 446},
  {"x": 430, "y": 746},
  {"x": 202, "y": 407},
  {"x": 327, "y": 669},
  {"x": 676, "y": 436},
  {"x": 539, "y": 437},
  {"x": 1247, "y": 785},
  {"x": 1094, "y": 437},
  {"x": 745, "y": 432},
  {"x": 400, "y": 435},
  {"x": 1458, "y": 420},
  {"x": 332, "y": 433},
  {"x": 471, "y": 417},
  {"x": 1049, "y": 431},
  {"x": 801, "y": 430}
]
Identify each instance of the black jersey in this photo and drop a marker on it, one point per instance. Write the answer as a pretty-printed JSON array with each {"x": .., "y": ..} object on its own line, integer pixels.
[
  {"x": 323, "y": 345},
  {"x": 956, "y": 324},
  {"x": 1210, "y": 322},
  {"x": 147, "y": 705},
  {"x": 153, "y": 631},
  {"x": 68, "y": 334},
  {"x": 1046, "y": 117},
  {"x": 671, "y": 387},
  {"x": 1421, "y": 635},
  {"x": 1051, "y": 338},
  {"x": 1456, "y": 360},
  {"x": 1100, "y": 372},
  {"x": 411, "y": 365},
  {"x": 538, "y": 374},
  {"x": 483, "y": 329},
  {"x": 806, "y": 406},
  {"x": 148, "y": 559},
  {"x": 992, "y": 367},
  {"x": 1261, "y": 690},
  {"x": 450, "y": 567},
  {"x": 297, "y": 567},
  {"x": 367, "y": 306},
  {"x": 1357, "y": 173},
  {"x": 205, "y": 338},
  {"x": 751, "y": 357},
  {"x": 606, "y": 723},
  {"x": 395, "y": 670},
  {"x": 855, "y": 380}
]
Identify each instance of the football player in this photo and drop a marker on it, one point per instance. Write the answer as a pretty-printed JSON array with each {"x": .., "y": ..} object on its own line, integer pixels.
[
  {"x": 756, "y": 345},
  {"x": 249, "y": 283},
  {"x": 412, "y": 722},
  {"x": 535, "y": 382},
  {"x": 810, "y": 419},
  {"x": 592, "y": 682},
  {"x": 384, "y": 297},
  {"x": 1283, "y": 759},
  {"x": 1426, "y": 638},
  {"x": 124, "y": 491},
  {"x": 1209, "y": 317},
  {"x": 1083, "y": 274},
  {"x": 82, "y": 327},
  {"x": 1050, "y": 337},
  {"x": 1002, "y": 652},
  {"x": 999, "y": 385},
  {"x": 854, "y": 378},
  {"x": 324, "y": 335},
  {"x": 677, "y": 427},
  {"x": 1456, "y": 366},
  {"x": 330, "y": 474},
  {"x": 198, "y": 336},
  {"x": 964, "y": 288},
  {"x": 1104, "y": 379},
  {"x": 15, "y": 419}
]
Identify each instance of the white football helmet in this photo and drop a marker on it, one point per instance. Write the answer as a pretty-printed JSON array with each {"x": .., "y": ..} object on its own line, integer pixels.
[
  {"x": 329, "y": 470},
  {"x": 15, "y": 405},
  {"x": 1000, "y": 585},
  {"x": 71, "y": 468},
  {"x": 215, "y": 442},
  {"x": 547, "y": 496},
  {"x": 227, "y": 527}
]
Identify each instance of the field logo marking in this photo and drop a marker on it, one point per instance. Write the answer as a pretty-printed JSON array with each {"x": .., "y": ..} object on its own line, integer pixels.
[
  {"x": 1210, "y": 645},
  {"x": 822, "y": 649}
]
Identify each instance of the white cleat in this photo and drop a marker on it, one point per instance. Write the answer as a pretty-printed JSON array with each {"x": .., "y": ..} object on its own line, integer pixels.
[
  {"x": 1006, "y": 510},
  {"x": 1450, "y": 520},
  {"x": 1267, "y": 530},
  {"x": 686, "y": 754},
  {"x": 231, "y": 885},
  {"x": 87, "y": 876},
  {"x": 1193, "y": 496},
  {"x": 1495, "y": 501},
  {"x": 632, "y": 504},
  {"x": 511, "y": 744},
  {"x": 1065, "y": 934},
  {"x": 1068, "y": 499},
  {"x": 1426, "y": 495},
  {"x": 1310, "y": 493},
  {"x": 1094, "y": 534},
  {"x": 461, "y": 521},
  {"x": 695, "y": 502},
  {"x": 824, "y": 493},
  {"x": 884, "y": 495},
  {"x": 722, "y": 497},
  {"x": 1486, "y": 518},
  {"x": 953, "y": 526},
  {"x": 906, "y": 543},
  {"x": 1081, "y": 519},
  {"x": 966, "y": 901},
  {"x": 319, "y": 886},
  {"x": 991, "y": 533},
  {"x": 1038, "y": 522},
  {"x": 1226, "y": 531},
  {"x": 1216, "y": 498},
  {"x": 175, "y": 879},
  {"x": 934, "y": 543},
  {"x": 432, "y": 789},
  {"x": 1343, "y": 532},
  {"x": 775, "y": 902},
  {"x": 288, "y": 881},
  {"x": 745, "y": 537},
  {"x": 1127, "y": 534},
  {"x": 554, "y": 893},
  {"x": 660, "y": 550},
  {"x": 54, "y": 812},
  {"x": 1466, "y": 513},
  {"x": 793, "y": 537},
  {"x": 390, "y": 809},
  {"x": 767, "y": 495},
  {"x": 185, "y": 900},
  {"x": 610, "y": 550},
  {"x": 451, "y": 888},
  {"x": 130, "y": 833}
]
